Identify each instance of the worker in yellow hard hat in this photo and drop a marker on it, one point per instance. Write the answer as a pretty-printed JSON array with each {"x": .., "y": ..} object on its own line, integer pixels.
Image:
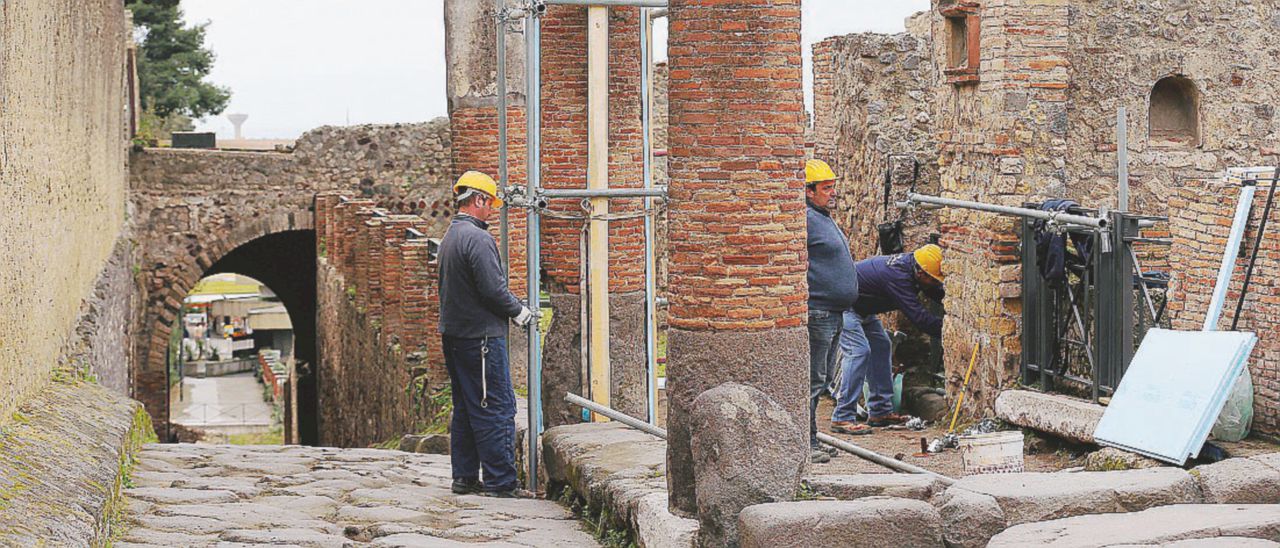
[
  {"x": 475, "y": 308},
  {"x": 885, "y": 283},
  {"x": 833, "y": 287}
]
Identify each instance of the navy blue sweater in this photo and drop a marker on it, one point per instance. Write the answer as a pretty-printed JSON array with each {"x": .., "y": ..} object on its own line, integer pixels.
[
  {"x": 833, "y": 282},
  {"x": 888, "y": 282},
  {"x": 474, "y": 299}
]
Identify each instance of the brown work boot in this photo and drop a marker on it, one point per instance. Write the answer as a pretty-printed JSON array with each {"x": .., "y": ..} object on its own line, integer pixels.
[
  {"x": 887, "y": 420},
  {"x": 850, "y": 427}
]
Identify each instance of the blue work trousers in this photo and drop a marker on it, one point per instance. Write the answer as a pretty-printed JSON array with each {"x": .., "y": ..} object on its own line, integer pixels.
[
  {"x": 483, "y": 431},
  {"x": 824, "y": 334},
  {"x": 866, "y": 354}
]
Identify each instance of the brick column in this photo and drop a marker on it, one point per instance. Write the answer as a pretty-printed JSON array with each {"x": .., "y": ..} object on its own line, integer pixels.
[
  {"x": 470, "y": 38},
  {"x": 737, "y": 220},
  {"x": 564, "y": 123}
]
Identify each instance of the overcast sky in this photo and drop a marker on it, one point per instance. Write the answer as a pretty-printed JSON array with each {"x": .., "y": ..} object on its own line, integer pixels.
[{"x": 293, "y": 65}]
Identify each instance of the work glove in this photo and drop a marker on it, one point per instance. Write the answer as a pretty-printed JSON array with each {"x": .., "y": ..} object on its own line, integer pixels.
[{"x": 526, "y": 317}]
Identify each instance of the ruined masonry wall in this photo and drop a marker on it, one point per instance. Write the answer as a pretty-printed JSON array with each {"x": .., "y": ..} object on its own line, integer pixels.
[
  {"x": 195, "y": 206},
  {"x": 380, "y": 360},
  {"x": 871, "y": 96},
  {"x": 1201, "y": 213},
  {"x": 62, "y": 131}
]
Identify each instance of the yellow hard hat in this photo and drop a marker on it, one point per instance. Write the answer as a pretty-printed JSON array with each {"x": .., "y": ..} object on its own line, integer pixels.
[
  {"x": 929, "y": 258},
  {"x": 480, "y": 182},
  {"x": 817, "y": 171}
]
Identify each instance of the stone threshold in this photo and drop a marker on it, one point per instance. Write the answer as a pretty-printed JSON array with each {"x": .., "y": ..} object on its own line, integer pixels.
[{"x": 65, "y": 454}]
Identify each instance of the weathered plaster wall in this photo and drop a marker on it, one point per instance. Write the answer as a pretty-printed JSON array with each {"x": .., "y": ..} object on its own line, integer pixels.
[{"x": 62, "y": 136}]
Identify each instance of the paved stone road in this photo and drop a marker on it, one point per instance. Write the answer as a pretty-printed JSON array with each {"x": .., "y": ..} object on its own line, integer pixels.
[{"x": 206, "y": 495}]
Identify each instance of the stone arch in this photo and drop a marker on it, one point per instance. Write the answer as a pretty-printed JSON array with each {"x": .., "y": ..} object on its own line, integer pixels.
[
  {"x": 1174, "y": 113},
  {"x": 254, "y": 246}
]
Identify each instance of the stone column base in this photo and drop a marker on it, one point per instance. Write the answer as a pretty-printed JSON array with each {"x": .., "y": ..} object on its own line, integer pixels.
[
  {"x": 562, "y": 364},
  {"x": 775, "y": 362}
]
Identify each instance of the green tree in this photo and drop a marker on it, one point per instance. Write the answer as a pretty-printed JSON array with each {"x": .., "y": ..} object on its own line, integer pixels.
[{"x": 173, "y": 63}]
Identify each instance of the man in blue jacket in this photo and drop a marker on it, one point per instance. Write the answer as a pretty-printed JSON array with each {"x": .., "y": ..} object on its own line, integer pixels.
[
  {"x": 885, "y": 283},
  {"x": 475, "y": 307},
  {"x": 833, "y": 287}
]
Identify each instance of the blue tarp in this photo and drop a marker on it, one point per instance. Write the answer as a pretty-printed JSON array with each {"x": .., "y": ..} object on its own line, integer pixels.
[{"x": 1173, "y": 392}]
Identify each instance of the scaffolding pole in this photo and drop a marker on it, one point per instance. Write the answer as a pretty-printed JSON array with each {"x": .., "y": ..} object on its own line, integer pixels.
[
  {"x": 650, "y": 263},
  {"x": 1052, "y": 216},
  {"x": 533, "y": 103},
  {"x": 504, "y": 229}
]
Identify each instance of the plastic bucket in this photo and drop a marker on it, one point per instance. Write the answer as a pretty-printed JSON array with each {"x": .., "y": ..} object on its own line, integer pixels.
[{"x": 994, "y": 453}]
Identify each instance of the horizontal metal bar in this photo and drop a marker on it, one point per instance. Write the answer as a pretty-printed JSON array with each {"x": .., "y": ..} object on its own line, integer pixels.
[
  {"x": 655, "y": 192},
  {"x": 615, "y": 415},
  {"x": 1007, "y": 210},
  {"x": 881, "y": 459},
  {"x": 609, "y": 3},
  {"x": 1068, "y": 377}
]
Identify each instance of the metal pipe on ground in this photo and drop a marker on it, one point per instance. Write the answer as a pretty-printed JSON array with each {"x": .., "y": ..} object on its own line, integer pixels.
[
  {"x": 605, "y": 411},
  {"x": 840, "y": 444},
  {"x": 1067, "y": 218}
]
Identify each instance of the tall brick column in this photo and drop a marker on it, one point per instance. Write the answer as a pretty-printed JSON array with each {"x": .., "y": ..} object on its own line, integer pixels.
[
  {"x": 737, "y": 220},
  {"x": 471, "y": 61},
  {"x": 564, "y": 122}
]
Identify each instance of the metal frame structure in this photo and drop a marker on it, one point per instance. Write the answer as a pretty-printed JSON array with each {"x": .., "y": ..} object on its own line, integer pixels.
[
  {"x": 1100, "y": 307},
  {"x": 534, "y": 198}
]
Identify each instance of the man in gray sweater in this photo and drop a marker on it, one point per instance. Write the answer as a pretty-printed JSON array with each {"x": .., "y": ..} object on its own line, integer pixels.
[
  {"x": 833, "y": 288},
  {"x": 475, "y": 307}
]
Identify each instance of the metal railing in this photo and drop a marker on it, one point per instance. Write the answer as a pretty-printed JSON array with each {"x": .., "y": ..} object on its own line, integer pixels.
[{"x": 243, "y": 414}]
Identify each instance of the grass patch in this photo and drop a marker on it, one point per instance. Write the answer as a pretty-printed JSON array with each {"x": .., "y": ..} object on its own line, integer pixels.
[{"x": 275, "y": 436}]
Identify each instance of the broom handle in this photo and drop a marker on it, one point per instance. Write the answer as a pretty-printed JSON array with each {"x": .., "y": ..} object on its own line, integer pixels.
[{"x": 960, "y": 401}]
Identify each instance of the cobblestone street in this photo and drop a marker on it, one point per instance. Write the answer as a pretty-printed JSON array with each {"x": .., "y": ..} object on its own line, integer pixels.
[{"x": 205, "y": 495}]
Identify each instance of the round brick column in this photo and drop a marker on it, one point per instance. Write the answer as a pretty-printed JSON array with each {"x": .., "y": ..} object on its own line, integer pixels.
[
  {"x": 737, "y": 220},
  {"x": 471, "y": 61},
  {"x": 564, "y": 145}
]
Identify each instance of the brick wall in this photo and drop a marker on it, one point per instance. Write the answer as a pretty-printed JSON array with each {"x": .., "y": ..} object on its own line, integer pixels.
[
  {"x": 1201, "y": 213},
  {"x": 380, "y": 360}
]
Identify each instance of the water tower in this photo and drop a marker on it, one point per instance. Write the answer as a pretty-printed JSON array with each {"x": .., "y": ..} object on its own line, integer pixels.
[{"x": 238, "y": 121}]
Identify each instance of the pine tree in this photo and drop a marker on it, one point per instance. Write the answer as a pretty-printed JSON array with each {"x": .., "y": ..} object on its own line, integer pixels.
[{"x": 173, "y": 63}]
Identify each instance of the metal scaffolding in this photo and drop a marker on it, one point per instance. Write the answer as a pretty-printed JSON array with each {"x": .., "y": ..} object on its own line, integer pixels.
[{"x": 535, "y": 199}]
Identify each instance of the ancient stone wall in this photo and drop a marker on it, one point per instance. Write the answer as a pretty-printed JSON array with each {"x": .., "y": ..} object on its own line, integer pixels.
[
  {"x": 380, "y": 362},
  {"x": 197, "y": 206},
  {"x": 62, "y": 132},
  {"x": 737, "y": 255},
  {"x": 872, "y": 100},
  {"x": 1201, "y": 211}
]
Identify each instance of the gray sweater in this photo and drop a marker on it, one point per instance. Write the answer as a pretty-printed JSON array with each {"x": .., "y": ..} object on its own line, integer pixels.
[
  {"x": 833, "y": 282},
  {"x": 474, "y": 299}
]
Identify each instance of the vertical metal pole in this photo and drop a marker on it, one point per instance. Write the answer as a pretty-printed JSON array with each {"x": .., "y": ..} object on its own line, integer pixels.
[
  {"x": 597, "y": 259},
  {"x": 650, "y": 265},
  {"x": 533, "y": 105},
  {"x": 500, "y": 44},
  {"x": 1122, "y": 157},
  {"x": 1114, "y": 326}
]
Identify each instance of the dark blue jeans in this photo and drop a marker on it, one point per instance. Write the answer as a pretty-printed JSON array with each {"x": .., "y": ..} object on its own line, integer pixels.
[
  {"x": 824, "y": 335},
  {"x": 483, "y": 430}
]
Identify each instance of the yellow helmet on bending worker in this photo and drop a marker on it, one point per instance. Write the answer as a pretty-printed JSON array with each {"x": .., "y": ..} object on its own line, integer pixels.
[
  {"x": 929, "y": 258},
  {"x": 480, "y": 182}
]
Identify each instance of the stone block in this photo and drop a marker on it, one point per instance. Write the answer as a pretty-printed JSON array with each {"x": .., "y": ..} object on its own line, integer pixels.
[
  {"x": 1110, "y": 459},
  {"x": 743, "y": 455},
  {"x": 970, "y": 519},
  {"x": 1156, "y": 526},
  {"x": 1238, "y": 481},
  {"x": 1040, "y": 496},
  {"x": 876, "y": 521},
  {"x": 1067, "y": 418},
  {"x": 850, "y": 487},
  {"x": 434, "y": 444}
]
